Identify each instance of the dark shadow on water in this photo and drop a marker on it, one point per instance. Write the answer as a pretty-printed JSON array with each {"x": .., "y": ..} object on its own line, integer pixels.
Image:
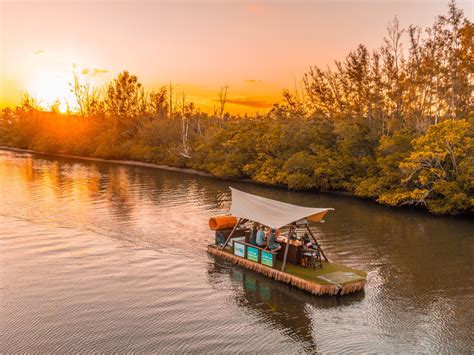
[{"x": 281, "y": 306}]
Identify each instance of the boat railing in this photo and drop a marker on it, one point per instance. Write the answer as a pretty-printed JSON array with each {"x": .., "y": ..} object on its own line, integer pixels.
[{"x": 254, "y": 253}]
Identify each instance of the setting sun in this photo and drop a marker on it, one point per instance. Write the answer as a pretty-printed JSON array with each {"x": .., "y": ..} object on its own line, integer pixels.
[{"x": 49, "y": 87}]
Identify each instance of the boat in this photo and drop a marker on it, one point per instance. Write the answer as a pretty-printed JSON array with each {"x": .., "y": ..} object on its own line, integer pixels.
[{"x": 300, "y": 260}]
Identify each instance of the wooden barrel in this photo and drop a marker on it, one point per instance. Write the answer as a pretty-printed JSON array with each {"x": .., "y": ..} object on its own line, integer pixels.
[{"x": 222, "y": 222}]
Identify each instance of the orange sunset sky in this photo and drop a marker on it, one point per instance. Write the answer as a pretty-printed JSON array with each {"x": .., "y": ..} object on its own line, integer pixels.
[{"x": 257, "y": 48}]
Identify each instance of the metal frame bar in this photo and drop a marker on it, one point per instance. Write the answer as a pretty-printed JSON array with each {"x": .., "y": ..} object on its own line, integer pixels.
[
  {"x": 286, "y": 248},
  {"x": 231, "y": 233},
  {"x": 319, "y": 246}
]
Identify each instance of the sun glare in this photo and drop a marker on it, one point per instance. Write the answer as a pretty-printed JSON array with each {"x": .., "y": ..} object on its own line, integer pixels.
[{"x": 48, "y": 87}]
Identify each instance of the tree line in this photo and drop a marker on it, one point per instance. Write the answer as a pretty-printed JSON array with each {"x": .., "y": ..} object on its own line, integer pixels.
[{"x": 394, "y": 124}]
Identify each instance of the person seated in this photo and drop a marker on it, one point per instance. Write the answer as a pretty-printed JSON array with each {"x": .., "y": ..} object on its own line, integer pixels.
[
  {"x": 220, "y": 238},
  {"x": 310, "y": 248},
  {"x": 273, "y": 240},
  {"x": 260, "y": 237},
  {"x": 307, "y": 242}
]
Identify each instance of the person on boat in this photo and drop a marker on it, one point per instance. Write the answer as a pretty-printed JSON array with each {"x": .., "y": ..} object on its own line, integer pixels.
[
  {"x": 260, "y": 237},
  {"x": 253, "y": 234},
  {"x": 307, "y": 242},
  {"x": 294, "y": 236},
  {"x": 267, "y": 233},
  {"x": 273, "y": 241},
  {"x": 220, "y": 238}
]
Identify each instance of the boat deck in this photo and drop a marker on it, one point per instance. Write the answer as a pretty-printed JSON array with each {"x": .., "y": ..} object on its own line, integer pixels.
[{"x": 331, "y": 279}]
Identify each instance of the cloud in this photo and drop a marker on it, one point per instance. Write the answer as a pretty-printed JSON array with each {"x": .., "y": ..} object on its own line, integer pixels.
[
  {"x": 93, "y": 72},
  {"x": 252, "y": 81},
  {"x": 100, "y": 71},
  {"x": 249, "y": 102},
  {"x": 39, "y": 51}
]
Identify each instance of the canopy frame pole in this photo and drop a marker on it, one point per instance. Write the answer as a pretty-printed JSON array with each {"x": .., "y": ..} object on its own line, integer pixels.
[
  {"x": 240, "y": 220},
  {"x": 286, "y": 248},
  {"x": 319, "y": 246}
]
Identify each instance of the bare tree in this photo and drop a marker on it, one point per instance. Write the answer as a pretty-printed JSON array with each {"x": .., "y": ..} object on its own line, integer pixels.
[
  {"x": 184, "y": 124},
  {"x": 30, "y": 103},
  {"x": 171, "y": 100},
  {"x": 222, "y": 100},
  {"x": 393, "y": 66},
  {"x": 88, "y": 97},
  {"x": 78, "y": 90}
]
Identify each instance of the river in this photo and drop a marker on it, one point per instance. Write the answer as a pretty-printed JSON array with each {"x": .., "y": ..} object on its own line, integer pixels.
[{"x": 108, "y": 257}]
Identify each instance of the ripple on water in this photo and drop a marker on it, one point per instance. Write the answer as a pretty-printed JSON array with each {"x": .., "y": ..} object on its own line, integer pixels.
[{"x": 103, "y": 257}]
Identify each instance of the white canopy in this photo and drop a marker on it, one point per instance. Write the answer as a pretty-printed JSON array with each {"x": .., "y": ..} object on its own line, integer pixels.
[{"x": 271, "y": 213}]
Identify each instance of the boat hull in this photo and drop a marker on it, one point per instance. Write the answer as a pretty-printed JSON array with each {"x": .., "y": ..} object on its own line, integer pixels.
[{"x": 295, "y": 277}]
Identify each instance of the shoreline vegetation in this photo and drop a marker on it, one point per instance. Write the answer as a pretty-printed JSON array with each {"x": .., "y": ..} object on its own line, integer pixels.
[
  {"x": 144, "y": 164},
  {"x": 114, "y": 161},
  {"x": 393, "y": 124}
]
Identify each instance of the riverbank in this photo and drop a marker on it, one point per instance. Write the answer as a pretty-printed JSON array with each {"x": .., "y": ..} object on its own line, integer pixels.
[
  {"x": 158, "y": 166},
  {"x": 169, "y": 168},
  {"x": 116, "y": 161},
  {"x": 205, "y": 174}
]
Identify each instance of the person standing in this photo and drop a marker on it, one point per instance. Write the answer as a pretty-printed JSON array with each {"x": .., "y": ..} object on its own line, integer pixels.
[{"x": 253, "y": 234}]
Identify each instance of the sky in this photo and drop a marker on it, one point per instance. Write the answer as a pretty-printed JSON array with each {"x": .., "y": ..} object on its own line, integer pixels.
[{"x": 257, "y": 48}]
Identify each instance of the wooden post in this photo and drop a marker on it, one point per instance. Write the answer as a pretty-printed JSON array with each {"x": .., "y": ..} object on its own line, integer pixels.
[
  {"x": 319, "y": 246},
  {"x": 286, "y": 249},
  {"x": 231, "y": 233}
]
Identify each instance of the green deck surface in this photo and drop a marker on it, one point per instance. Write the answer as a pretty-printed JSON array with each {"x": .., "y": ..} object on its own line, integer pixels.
[{"x": 310, "y": 274}]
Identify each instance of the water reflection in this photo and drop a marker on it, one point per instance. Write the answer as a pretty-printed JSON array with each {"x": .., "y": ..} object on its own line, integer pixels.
[{"x": 278, "y": 305}]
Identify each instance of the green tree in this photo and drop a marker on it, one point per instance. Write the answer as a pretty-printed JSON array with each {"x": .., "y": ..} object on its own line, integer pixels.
[{"x": 439, "y": 172}]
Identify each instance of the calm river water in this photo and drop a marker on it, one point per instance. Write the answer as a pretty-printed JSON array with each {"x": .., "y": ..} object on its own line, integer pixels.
[{"x": 107, "y": 257}]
